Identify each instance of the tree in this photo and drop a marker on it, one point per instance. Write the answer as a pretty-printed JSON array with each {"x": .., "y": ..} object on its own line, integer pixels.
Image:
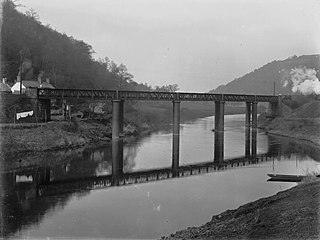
[
  {"x": 167, "y": 88},
  {"x": 123, "y": 77}
]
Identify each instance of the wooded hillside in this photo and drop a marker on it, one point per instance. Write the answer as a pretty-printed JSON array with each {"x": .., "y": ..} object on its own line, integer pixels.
[{"x": 66, "y": 61}]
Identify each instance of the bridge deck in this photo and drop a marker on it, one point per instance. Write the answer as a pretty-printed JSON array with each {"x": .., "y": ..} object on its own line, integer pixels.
[{"x": 147, "y": 96}]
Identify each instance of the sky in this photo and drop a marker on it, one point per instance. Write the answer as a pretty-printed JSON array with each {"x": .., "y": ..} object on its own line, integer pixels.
[{"x": 197, "y": 44}]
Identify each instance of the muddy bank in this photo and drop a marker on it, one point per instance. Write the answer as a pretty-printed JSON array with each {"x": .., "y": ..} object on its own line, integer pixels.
[{"x": 290, "y": 214}]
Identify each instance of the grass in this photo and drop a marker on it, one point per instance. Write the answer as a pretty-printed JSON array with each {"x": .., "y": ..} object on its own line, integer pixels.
[{"x": 311, "y": 177}]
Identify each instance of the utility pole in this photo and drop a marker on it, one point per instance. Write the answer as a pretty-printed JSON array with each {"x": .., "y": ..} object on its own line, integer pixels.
[
  {"x": 274, "y": 87},
  {"x": 0, "y": 41},
  {"x": 21, "y": 59}
]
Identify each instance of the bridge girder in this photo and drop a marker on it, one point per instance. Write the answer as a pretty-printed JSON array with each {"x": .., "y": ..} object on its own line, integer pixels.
[{"x": 47, "y": 93}]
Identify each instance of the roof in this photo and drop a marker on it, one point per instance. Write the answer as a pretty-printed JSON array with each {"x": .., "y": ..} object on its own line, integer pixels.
[
  {"x": 46, "y": 85},
  {"x": 34, "y": 84},
  {"x": 4, "y": 87}
]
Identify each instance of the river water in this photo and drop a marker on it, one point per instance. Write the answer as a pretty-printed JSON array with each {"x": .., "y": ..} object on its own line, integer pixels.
[{"x": 62, "y": 207}]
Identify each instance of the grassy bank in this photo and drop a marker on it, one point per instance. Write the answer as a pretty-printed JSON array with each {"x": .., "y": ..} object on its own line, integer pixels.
[
  {"x": 290, "y": 214},
  {"x": 301, "y": 123},
  {"x": 56, "y": 135}
]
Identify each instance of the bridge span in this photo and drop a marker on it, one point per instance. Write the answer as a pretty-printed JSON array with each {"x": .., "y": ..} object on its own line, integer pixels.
[{"x": 118, "y": 98}]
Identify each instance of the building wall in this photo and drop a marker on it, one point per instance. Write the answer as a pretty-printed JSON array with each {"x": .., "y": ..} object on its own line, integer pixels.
[{"x": 16, "y": 88}]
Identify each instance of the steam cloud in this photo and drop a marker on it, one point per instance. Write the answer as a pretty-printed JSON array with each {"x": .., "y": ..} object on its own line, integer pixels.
[{"x": 304, "y": 80}]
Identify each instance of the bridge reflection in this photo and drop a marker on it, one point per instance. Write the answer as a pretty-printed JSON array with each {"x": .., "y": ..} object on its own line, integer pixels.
[
  {"x": 48, "y": 181},
  {"x": 118, "y": 178}
]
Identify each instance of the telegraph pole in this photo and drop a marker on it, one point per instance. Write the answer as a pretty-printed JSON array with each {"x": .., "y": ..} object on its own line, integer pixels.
[
  {"x": 0, "y": 41},
  {"x": 21, "y": 59}
]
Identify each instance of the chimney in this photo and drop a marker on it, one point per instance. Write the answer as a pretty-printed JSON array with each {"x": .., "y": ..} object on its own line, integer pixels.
[
  {"x": 47, "y": 80},
  {"x": 4, "y": 80}
]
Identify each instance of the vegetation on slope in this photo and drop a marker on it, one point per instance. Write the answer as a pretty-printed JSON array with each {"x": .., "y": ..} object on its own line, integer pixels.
[
  {"x": 261, "y": 81},
  {"x": 66, "y": 61},
  {"x": 301, "y": 120}
]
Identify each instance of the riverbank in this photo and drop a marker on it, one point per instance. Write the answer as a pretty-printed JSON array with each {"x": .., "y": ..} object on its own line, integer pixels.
[
  {"x": 290, "y": 214},
  {"x": 307, "y": 129},
  {"x": 302, "y": 123},
  {"x": 57, "y": 135},
  {"x": 35, "y": 144}
]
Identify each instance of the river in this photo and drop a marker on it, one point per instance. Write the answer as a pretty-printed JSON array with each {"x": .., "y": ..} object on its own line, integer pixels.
[{"x": 150, "y": 209}]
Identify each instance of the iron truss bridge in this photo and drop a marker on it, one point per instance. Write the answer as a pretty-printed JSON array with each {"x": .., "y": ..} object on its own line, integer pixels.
[{"x": 47, "y": 93}]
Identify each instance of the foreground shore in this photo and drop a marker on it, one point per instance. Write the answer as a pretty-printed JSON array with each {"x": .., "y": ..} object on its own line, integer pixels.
[{"x": 290, "y": 214}]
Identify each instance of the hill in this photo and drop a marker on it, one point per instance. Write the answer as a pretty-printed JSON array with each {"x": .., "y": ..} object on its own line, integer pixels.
[
  {"x": 261, "y": 81},
  {"x": 39, "y": 50}
]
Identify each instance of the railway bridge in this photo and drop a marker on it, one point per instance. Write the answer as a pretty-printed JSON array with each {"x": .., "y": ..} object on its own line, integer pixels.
[{"x": 118, "y": 98}]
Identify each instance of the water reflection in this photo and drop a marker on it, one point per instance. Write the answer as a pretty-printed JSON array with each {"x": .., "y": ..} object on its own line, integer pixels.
[{"x": 29, "y": 194}]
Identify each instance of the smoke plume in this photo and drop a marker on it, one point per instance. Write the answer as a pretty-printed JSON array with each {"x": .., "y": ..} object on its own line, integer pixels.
[{"x": 305, "y": 81}]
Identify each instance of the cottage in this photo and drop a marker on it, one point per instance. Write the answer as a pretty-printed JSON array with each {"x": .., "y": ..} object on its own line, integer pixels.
[
  {"x": 30, "y": 84},
  {"x": 4, "y": 87}
]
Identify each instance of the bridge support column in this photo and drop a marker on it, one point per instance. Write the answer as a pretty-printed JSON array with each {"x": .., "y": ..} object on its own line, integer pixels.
[
  {"x": 176, "y": 134},
  {"x": 116, "y": 118},
  {"x": 219, "y": 116},
  {"x": 254, "y": 115},
  {"x": 117, "y": 161},
  {"x": 247, "y": 129},
  {"x": 254, "y": 130},
  {"x": 44, "y": 111},
  {"x": 219, "y": 132},
  {"x": 121, "y": 118}
]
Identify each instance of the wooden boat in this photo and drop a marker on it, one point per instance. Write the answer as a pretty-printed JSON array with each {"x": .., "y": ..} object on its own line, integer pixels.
[{"x": 285, "y": 178}]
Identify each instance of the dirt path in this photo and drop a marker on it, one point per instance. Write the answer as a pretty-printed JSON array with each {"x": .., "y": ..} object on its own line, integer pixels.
[{"x": 291, "y": 214}]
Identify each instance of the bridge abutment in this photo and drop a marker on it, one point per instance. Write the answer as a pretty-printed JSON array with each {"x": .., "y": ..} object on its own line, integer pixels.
[{"x": 275, "y": 109}]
